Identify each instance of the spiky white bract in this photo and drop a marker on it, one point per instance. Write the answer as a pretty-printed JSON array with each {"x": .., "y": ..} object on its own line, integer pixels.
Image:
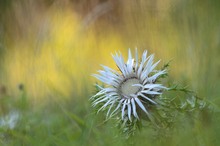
[{"x": 131, "y": 89}]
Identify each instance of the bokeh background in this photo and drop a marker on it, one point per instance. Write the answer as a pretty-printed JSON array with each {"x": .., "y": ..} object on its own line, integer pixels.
[{"x": 50, "y": 48}]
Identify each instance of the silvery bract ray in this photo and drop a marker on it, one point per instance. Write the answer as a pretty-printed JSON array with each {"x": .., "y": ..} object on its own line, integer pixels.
[{"x": 131, "y": 89}]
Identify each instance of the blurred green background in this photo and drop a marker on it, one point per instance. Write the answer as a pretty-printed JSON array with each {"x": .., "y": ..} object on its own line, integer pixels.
[{"x": 50, "y": 48}]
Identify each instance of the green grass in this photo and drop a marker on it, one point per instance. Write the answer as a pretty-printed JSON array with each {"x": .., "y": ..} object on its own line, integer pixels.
[{"x": 75, "y": 123}]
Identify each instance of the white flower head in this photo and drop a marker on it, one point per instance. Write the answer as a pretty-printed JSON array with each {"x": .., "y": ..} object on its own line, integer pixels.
[
  {"x": 10, "y": 120},
  {"x": 131, "y": 89}
]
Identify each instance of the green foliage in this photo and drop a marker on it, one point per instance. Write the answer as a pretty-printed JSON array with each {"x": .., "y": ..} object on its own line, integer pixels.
[
  {"x": 171, "y": 110},
  {"x": 180, "y": 116}
]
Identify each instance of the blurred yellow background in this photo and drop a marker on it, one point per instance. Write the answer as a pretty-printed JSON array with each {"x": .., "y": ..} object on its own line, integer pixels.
[{"x": 52, "y": 47}]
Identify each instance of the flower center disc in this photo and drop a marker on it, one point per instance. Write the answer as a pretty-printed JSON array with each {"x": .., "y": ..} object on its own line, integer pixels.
[{"x": 127, "y": 87}]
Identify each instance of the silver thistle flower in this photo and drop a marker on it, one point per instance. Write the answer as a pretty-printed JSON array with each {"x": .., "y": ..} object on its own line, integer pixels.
[{"x": 131, "y": 89}]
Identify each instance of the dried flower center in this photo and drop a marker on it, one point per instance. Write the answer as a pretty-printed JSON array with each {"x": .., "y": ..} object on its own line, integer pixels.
[{"x": 127, "y": 87}]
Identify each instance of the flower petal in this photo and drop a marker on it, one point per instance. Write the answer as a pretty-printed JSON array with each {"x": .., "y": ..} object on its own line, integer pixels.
[
  {"x": 110, "y": 108},
  {"x": 123, "y": 109},
  {"x": 136, "y": 66},
  {"x": 134, "y": 108},
  {"x": 142, "y": 95},
  {"x": 141, "y": 105},
  {"x": 104, "y": 106},
  {"x": 155, "y": 76},
  {"x": 129, "y": 109},
  {"x": 151, "y": 92},
  {"x": 130, "y": 62},
  {"x": 146, "y": 70},
  {"x": 119, "y": 105}
]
